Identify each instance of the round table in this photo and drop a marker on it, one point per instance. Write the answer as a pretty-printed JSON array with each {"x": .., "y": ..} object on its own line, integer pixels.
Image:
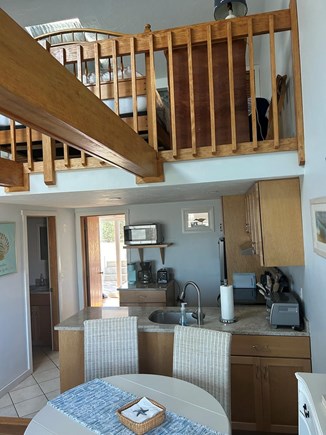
[{"x": 180, "y": 397}]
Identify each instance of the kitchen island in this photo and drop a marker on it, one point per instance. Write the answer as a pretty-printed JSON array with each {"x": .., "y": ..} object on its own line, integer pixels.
[{"x": 264, "y": 360}]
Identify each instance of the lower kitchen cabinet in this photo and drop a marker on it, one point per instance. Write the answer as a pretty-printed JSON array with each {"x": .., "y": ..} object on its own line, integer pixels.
[
  {"x": 264, "y": 387},
  {"x": 41, "y": 319},
  {"x": 152, "y": 295}
]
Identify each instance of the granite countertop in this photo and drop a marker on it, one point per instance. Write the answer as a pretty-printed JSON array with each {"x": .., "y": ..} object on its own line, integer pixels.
[
  {"x": 251, "y": 320},
  {"x": 143, "y": 287}
]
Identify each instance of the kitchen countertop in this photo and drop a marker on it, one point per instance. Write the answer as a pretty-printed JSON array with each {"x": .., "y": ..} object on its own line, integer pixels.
[{"x": 251, "y": 320}]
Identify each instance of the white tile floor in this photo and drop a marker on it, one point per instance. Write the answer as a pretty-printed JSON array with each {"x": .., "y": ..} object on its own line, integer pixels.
[{"x": 31, "y": 395}]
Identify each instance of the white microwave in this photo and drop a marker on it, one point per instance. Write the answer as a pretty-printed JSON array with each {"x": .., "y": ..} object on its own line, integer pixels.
[{"x": 143, "y": 234}]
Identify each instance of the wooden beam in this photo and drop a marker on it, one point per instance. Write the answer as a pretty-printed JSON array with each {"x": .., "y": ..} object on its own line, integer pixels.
[
  {"x": 39, "y": 92},
  {"x": 11, "y": 173}
]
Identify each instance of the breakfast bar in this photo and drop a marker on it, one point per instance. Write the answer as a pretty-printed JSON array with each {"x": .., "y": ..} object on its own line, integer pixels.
[{"x": 262, "y": 358}]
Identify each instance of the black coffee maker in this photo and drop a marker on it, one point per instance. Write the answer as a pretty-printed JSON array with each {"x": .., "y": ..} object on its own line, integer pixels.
[{"x": 145, "y": 272}]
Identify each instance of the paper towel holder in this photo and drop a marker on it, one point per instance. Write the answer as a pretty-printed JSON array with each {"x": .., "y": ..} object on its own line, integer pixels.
[{"x": 227, "y": 321}]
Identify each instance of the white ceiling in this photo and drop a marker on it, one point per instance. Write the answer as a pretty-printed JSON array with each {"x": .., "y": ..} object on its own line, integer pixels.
[
  {"x": 146, "y": 195},
  {"x": 127, "y": 16}
]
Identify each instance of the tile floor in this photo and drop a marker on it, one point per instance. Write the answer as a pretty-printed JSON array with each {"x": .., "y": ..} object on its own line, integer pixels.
[{"x": 31, "y": 395}]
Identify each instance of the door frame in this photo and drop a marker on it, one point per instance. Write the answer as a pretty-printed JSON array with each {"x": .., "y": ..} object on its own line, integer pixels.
[
  {"x": 25, "y": 215},
  {"x": 80, "y": 218}
]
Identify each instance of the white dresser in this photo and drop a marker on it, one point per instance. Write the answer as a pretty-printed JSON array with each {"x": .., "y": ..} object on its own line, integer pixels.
[{"x": 312, "y": 412}]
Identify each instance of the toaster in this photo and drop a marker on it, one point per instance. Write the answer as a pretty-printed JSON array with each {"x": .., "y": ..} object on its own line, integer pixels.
[{"x": 285, "y": 310}]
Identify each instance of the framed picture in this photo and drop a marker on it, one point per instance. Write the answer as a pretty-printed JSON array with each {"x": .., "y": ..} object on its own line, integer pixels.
[
  {"x": 197, "y": 219},
  {"x": 318, "y": 218},
  {"x": 7, "y": 248}
]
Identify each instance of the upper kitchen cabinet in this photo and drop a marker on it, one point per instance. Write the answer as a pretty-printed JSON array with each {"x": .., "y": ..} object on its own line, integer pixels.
[{"x": 273, "y": 221}]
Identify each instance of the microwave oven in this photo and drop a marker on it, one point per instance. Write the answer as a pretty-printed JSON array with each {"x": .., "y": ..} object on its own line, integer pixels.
[{"x": 143, "y": 234}]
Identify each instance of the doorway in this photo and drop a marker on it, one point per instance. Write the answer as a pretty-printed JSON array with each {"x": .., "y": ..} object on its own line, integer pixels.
[
  {"x": 104, "y": 259},
  {"x": 43, "y": 280}
]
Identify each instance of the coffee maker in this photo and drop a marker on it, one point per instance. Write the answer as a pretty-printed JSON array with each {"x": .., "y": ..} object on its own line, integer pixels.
[{"x": 145, "y": 272}]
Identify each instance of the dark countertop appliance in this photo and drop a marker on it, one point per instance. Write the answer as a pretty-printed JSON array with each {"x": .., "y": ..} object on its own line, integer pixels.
[
  {"x": 143, "y": 234},
  {"x": 285, "y": 310}
]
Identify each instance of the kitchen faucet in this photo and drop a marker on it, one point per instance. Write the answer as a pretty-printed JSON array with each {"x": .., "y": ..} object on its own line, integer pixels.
[{"x": 200, "y": 315}]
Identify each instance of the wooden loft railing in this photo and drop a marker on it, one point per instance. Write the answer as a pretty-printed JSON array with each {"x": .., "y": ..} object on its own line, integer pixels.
[{"x": 208, "y": 53}]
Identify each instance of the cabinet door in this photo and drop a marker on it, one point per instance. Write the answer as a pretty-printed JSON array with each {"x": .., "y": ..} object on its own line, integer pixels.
[
  {"x": 41, "y": 325},
  {"x": 246, "y": 393},
  {"x": 254, "y": 222},
  {"x": 281, "y": 223},
  {"x": 280, "y": 392}
]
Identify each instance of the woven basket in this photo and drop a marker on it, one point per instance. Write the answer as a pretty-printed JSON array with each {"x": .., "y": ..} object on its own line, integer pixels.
[{"x": 141, "y": 428}]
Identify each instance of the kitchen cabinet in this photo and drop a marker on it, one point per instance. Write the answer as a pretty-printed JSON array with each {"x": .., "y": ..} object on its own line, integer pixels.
[
  {"x": 263, "y": 383},
  {"x": 273, "y": 220},
  {"x": 41, "y": 319},
  {"x": 150, "y": 295}
]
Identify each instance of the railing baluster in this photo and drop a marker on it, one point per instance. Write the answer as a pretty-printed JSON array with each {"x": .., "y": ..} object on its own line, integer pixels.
[
  {"x": 66, "y": 158},
  {"x": 231, "y": 86},
  {"x": 13, "y": 141},
  {"x": 153, "y": 90},
  {"x": 133, "y": 84},
  {"x": 80, "y": 78},
  {"x": 172, "y": 96},
  {"x": 97, "y": 69},
  {"x": 30, "y": 162},
  {"x": 211, "y": 88},
  {"x": 274, "y": 85},
  {"x": 191, "y": 94},
  {"x": 252, "y": 86},
  {"x": 62, "y": 59},
  {"x": 115, "y": 76}
]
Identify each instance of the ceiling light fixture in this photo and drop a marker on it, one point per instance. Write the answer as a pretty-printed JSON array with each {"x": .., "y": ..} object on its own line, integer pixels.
[{"x": 224, "y": 9}]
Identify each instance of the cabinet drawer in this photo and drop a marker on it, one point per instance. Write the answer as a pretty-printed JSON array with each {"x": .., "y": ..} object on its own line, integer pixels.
[
  {"x": 155, "y": 296},
  {"x": 274, "y": 346}
]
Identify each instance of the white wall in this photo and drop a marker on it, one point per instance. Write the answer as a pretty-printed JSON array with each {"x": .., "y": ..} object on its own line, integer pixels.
[
  {"x": 14, "y": 292},
  {"x": 192, "y": 256},
  {"x": 309, "y": 282},
  {"x": 13, "y": 329},
  {"x": 312, "y": 44}
]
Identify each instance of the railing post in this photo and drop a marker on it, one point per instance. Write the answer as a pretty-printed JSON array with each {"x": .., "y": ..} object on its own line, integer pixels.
[{"x": 298, "y": 103}]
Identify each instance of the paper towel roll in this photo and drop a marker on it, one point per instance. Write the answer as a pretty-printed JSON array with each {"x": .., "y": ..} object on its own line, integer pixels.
[{"x": 227, "y": 305}]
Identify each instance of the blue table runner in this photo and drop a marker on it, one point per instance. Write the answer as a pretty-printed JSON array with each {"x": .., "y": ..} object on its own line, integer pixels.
[{"x": 94, "y": 405}]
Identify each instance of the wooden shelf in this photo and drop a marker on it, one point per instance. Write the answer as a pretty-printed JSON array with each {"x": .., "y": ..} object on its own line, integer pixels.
[{"x": 140, "y": 248}]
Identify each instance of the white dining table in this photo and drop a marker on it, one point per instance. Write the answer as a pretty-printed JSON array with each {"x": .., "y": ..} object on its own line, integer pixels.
[{"x": 180, "y": 397}]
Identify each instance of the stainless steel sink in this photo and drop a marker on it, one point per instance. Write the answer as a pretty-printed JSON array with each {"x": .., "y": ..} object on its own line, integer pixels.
[{"x": 169, "y": 317}]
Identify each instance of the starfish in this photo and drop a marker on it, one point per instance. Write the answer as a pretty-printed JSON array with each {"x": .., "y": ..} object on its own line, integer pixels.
[{"x": 140, "y": 411}]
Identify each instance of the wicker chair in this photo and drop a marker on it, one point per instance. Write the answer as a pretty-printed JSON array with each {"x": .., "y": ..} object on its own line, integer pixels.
[
  {"x": 203, "y": 357},
  {"x": 110, "y": 347}
]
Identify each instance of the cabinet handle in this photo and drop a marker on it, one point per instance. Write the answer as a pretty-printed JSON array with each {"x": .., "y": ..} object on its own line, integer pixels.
[
  {"x": 266, "y": 373},
  {"x": 257, "y": 372}
]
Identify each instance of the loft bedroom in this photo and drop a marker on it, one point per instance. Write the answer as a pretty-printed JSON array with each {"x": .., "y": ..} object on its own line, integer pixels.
[{"x": 210, "y": 105}]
